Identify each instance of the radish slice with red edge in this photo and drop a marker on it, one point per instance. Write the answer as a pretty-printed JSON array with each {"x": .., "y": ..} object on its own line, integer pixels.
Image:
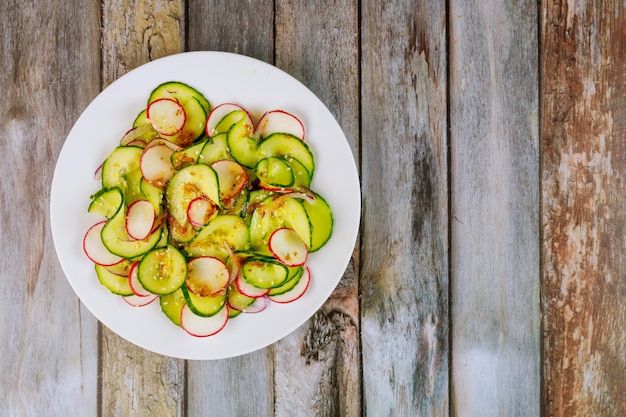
[
  {"x": 279, "y": 121},
  {"x": 207, "y": 276},
  {"x": 140, "y": 219},
  {"x": 135, "y": 284},
  {"x": 257, "y": 306},
  {"x": 200, "y": 211},
  {"x": 231, "y": 176},
  {"x": 163, "y": 141},
  {"x": 247, "y": 289},
  {"x": 166, "y": 116},
  {"x": 218, "y": 113},
  {"x": 97, "y": 175},
  {"x": 287, "y": 247},
  {"x": 94, "y": 247},
  {"x": 296, "y": 292},
  {"x": 156, "y": 166},
  {"x": 138, "y": 301},
  {"x": 203, "y": 326}
]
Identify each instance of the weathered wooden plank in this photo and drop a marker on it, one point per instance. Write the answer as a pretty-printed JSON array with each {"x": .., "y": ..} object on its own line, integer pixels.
[
  {"x": 583, "y": 106},
  {"x": 495, "y": 315},
  {"x": 325, "y": 351},
  {"x": 240, "y": 386},
  {"x": 49, "y": 71},
  {"x": 136, "y": 382},
  {"x": 404, "y": 252}
]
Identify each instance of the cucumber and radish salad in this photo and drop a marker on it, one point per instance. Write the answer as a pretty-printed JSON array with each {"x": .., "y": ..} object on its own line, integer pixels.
[{"x": 207, "y": 211}]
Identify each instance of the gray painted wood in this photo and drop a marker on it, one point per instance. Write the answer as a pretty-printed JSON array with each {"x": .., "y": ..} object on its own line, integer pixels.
[
  {"x": 241, "y": 386},
  {"x": 324, "y": 352},
  {"x": 134, "y": 381},
  {"x": 49, "y": 72},
  {"x": 495, "y": 315},
  {"x": 404, "y": 251}
]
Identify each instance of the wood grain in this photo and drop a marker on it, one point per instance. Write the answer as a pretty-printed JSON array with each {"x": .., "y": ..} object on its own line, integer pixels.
[
  {"x": 134, "y": 381},
  {"x": 325, "y": 350},
  {"x": 494, "y": 245},
  {"x": 49, "y": 73},
  {"x": 241, "y": 386},
  {"x": 404, "y": 252},
  {"x": 584, "y": 207}
]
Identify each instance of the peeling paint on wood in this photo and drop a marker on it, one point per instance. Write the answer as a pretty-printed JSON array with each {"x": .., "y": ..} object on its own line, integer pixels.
[{"x": 583, "y": 211}]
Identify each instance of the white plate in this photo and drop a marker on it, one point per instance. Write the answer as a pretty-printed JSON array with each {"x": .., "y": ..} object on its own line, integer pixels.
[{"x": 221, "y": 77}]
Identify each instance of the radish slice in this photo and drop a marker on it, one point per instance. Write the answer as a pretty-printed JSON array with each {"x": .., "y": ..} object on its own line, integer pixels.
[
  {"x": 207, "y": 276},
  {"x": 137, "y": 143},
  {"x": 135, "y": 284},
  {"x": 257, "y": 306},
  {"x": 203, "y": 326},
  {"x": 138, "y": 301},
  {"x": 156, "y": 166},
  {"x": 94, "y": 247},
  {"x": 231, "y": 176},
  {"x": 296, "y": 292},
  {"x": 287, "y": 247},
  {"x": 166, "y": 116},
  {"x": 200, "y": 211},
  {"x": 218, "y": 113},
  {"x": 249, "y": 290},
  {"x": 140, "y": 218},
  {"x": 279, "y": 121}
]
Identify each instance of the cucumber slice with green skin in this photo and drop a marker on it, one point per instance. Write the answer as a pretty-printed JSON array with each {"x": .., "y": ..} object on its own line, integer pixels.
[
  {"x": 224, "y": 234},
  {"x": 289, "y": 285},
  {"x": 216, "y": 122},
  {"x": 241, "y": 145},
  {"x": 188, "y": 184},
  {"x": 237, "y": 301},
  {"x": 172, "y": 305},
  {"x": 142, "y": 133},
  {"x": 300, "y": 174},
  {"x": 187, "y": 156},
  {"x": 180, "y": 232},
  {"x": 119, "y": 164},
  {"x": 196, "y": 108},
  {"x": 264, "y": 273},
  {"x": 296, "y": 292},
  {"x": 282, "y": 144},
  {"x": 276, "y": 212},
  {"x": 162, "y": 271},
  {"x": 180, "y": 91},
  {"x": 321, "y": 218},
  {"x": 204, "y": 306},
  {"x": 142, "y": 120},
  {"x": 153, "y": 194},
  {"x": 215, "y": 149},
  {"x": 116, "y": 239},
  {"x": 121, "y": 268},
  {"x": 230, "y": 119},
  {"x": 117, "y": 284},
  {"x": 274, "y": 172},
  {"x": 106, "y": 202}
]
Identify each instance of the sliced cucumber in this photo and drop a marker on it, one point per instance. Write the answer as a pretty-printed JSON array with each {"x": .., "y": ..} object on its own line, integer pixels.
[
  {"x": 274, "y": 172},
  {"x": 187, "y": 156},
  {"x": 321, "y": 218},
  {"x": 187, "y": 184},
  {"x": 282, "y": 144},
  {"x": 172, "y": 304},
  {"x": 241, "y": 144},
  {"x": 223, "y": 235},
  {"x": 215, "y": 149},
  {"x": 106, "y": 202},
  {"x": 264, "y": 272},
  {"x": 162, "y": 271},
  {"x": 119, "y": 164},
  {"x": 117, "y": 240},
  {"x": 117, "y": 284},
  {"x": 204, "y": 306},
  {"x": 289, "y": 284}
]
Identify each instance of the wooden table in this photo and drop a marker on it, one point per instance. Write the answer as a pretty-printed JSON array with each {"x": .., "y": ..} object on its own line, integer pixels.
[{"x": 488, "y": 279}]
